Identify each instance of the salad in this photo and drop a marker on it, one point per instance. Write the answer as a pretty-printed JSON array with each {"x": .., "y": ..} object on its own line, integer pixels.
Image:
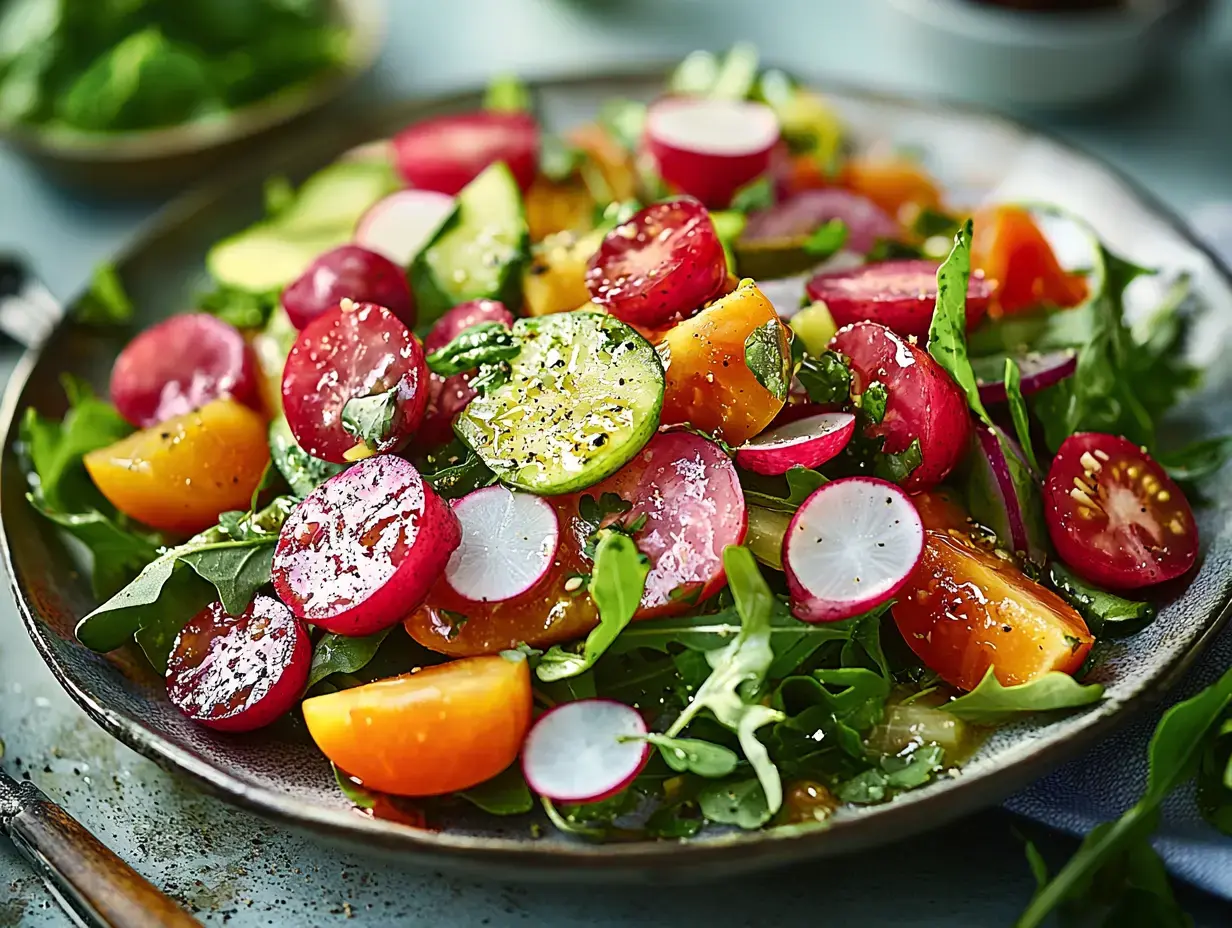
[{"x": 689, "y": 469}]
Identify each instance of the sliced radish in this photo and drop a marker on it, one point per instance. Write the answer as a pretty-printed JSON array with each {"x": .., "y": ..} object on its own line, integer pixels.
[
  {"x": 1037, "y": 370},
  {"x": 850, "y": 547},
  {"x": 585, "y": 751},
  {"x": 448, "y": 152},
  {"x": 398, "y": 226},
  {"x": 799, "y": 216},
  {"x": 808, "y": 442},
  {"x": 509, "y": 543},
  {"x": 710, "y": 148}
]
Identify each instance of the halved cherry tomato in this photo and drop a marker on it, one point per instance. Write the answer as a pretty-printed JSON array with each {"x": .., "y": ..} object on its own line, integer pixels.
[
  {"x": 966, "y": 609},
  {"x": 941, "y": 509},
  {"x": 437, "y": 731},
  {"x": 709, "y": 384},
  {"x": 1012, "y": 252},
  {"x": 890, "y": 183},
  {"x": 1115, "y": 516},
  {"x": 179, "y": 475}
]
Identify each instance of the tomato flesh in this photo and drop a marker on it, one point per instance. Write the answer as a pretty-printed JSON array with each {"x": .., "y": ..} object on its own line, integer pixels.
[
  {"x": 923, "y": 401},
  {"x": 239, "y": 673},
  {"x": 1010, "y": 249},
  {"x": 352, "y": 273},
  {"x": 180, "y": 365},
  {"x": 1115, "y": 517},
  {"x": 437, "y": 731},
  {"x": 891, "y": 183},
  {"x": 448, "y": 152},
  {"x": 347, "y": 353},
  {"x": 663, "y": 263}
]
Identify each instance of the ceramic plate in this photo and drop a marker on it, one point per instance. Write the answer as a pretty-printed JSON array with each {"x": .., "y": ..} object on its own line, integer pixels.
[{"x": 278, "y": 773}]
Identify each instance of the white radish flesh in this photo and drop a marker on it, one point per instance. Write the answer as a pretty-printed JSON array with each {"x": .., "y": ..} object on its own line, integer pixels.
[
  {"x": 850, "y": 547},
  {"x": 399, "y": 225},
  {"x": 509, "y": 543},
  {"x": 585, "y": 751},
  {"x": 807, "y": 442}
]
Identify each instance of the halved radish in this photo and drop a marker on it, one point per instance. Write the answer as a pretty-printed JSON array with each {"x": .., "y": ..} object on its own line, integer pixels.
[
  {"x": 509, "y": 543},
  {"x": 1037, "y": 370},
  {"x": 398, "y": 226},
  {"x": 448, "y": 152},
  {"x": 363, "y": 549},
  {"x": 850, "y": 547},
  {"x": 710, "y": 148},
  {"x": 799, "y": 216},
  {"x": 808, "y": 442},
  {"x": 585, "y": 751},
  {"x": 900, "y": 295}
]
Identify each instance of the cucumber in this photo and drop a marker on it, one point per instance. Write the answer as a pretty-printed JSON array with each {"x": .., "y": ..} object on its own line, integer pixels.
[
  {"x": 302, "y": 472},
  {"x": 479, "y": 253},
  {"x": 728, "y": 224},
  {"x": 583, "y": 397},
  {"x": 336, "y": 196}
]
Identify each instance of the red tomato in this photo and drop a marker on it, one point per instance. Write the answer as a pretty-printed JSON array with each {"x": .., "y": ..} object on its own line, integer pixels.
[
  {"x": 923, "y": 401},
  {"x": 448, "y": 152},
  {"x": 353, "y": 273},
  {"x": 1011, "y": 250},
  {"x": 1115, "y": 517}
]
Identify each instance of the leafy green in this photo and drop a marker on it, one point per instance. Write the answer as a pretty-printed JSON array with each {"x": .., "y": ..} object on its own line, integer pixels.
[
  {"x": 741, "y": 802},
  {"x": 785, "y": 494},
  {"x": 370, "y": 419},
  {"x": 826, "y": 378},
  {"x": 335, "y": 653},
  {"x": 358, "y": 796},
  {"x": 765, "y": 358},
  {"x": 1106, "y": 614},
  {"x": 756, "y": 195},
  {"x": 481, "y": 344},
  {"x": 558, "y": 160},
  {"x": 826, "y": 239},
  {"x": 244, "y": 309},
  {"x": 1019, "y": 413},
  {"x": 690, "y": 755},
  {"x": 947, "y": 335},
  {"x": 616, "y": 585},
  {"x": 507, "y": 93},
  {"x": 117, "y": 553},
  {"x": 504, "y": 794},
  {"x": 1198, "y": 460},
  {"x": 105, "y": 302},
  {"x": 624, "y": 121},
  {"x": 302, "y": 472},
  {"x": 990, "y": 703},
  {"x": 455, "y": 470},
  {"x": 843, "y": 701},
  {"x": 893, "y": 773}
]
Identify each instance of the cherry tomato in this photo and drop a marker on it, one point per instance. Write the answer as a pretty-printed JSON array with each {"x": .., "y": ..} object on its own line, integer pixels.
[
  {"x": 1115, "y": 517},
  {"x": 448, "y": 396},
  {"x": 239, "y": 673},
  {"x": 437, "y": 731},
  {"x": 709, "y": 384},
  {"x": 179, "y": 475},
  {"x": 180, "y": 365},
  {"x": 966, "y": 609},
  {"x": 663, "y": 263},
  {"x": 890, "y": 183},
  {"x": 1013, "y": 253},
  {"x": 942, "y": 510},
  {"x": 353, "y": 273},
  {"x": 344, "y": 354},
  {"x": 923, "y": 401},
  {"x": 448, "y": 152},
  {"x": 462, "y": 317}
]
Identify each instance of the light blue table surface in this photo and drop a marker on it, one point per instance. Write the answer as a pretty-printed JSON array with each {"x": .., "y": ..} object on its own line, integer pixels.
[{"x": 1175, "y": 138}]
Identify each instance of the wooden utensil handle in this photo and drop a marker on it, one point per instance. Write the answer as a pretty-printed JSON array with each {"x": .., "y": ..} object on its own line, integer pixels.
[{"x": 91, "y": 881}]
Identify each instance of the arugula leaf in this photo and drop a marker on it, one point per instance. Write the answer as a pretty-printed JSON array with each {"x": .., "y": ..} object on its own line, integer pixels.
[
  {"x": 742, "y": 803},
  {"x": 855, "y": 705},
  {"x": 826, "y": 239},
  {"x": 766, "y": 357},
  {"x": 897, "y": 467},
  {"x": 117, "y": 554},
  {"x": 690, "y": 755},
  {"x": 1173, "y": 756},
  {"x": 506, "y": 93},
  {"x": 1106, "y": 614},
  {"x": 756, "y": 195},
  {"x": 336, "y": 653},
  {"x": 105, "y": 303},
  {"x": 1018, "y": 412},
  {"x": 237, "y": 569},
  {"x": 370, "y": 419},
  {"x": 463, "y": 471},
  {"x": 947, "y": 335},
  {"x": 617, "y": 582},
  {"x": 1214, "y": 782},
  {"x": 359, "y": 797},
  {"x": 990, "y": 703},
  {"x": 770, "y": 493},
  {"x": 1198, "y": 460},
  {"x": 504, "y": 794},
  {"x": 481, "y": 344},
  {"x": 302, "y": 472},
  {"x": 872, "y": 402},
  {"x": 244, "y": 309},
  {"x": 826, "y": 378},
  {"x": 894, "y": 772},
  {"x": 180, "y": 597}
]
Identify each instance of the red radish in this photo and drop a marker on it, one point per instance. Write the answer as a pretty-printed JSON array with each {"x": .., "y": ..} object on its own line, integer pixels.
[
  {"x": 1115, "y": 517},
  {"x": 180, "y": 365},
  {"x": 509, "y": 543},
  {"x": 849, "y": 548},
  {"x": 898, "y": 294},
  {"x": 710, "y": 148},
  {"x": 361, "y": 551},
  {"x": 688, "y": 490},
  {"x": 239, "y": 673},
  {"x": 447, "y": 153},
  {"x": 799, "y": 216},
  {"x": 585, "y": 751},
  {"x": 399, "y": 226},
  {"x": 448, "y": 396},
  {"x": 662, "y": 264},
  {"x": 1004, "y": 494},
  {"x": 807, "y": 442},
  {"x": 462, "y": 317},
  {"x": 923, "y": 401},
  {"x": 348, "y": 272},
  {"x": 347, "y": 353},
  {"x": 1037, "y": 371}
]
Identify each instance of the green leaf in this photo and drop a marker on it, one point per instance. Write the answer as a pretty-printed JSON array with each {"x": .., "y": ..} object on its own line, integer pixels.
[
  {"x": 558, "y": 160},
  {"x": 302, "y": 472},
  {"x": 990, "y": 703},
  {"x": 336, "y": 653},
  {"x": 277, "y": 194},
  {"x": 756, "y": 195},
  {"x": 690, "y": 755},
  {"x": 506, "y": 93},
  {"x": 1214, "y": 782},
  {"x": 179, "y": 598},
  {"x": 237, "y": 570},
  {"x": 105, "y": 303},
  {"x": 741, "y": 803},
  {"x": 117, "y": 554},
  {"x": 894, "y": 773},
  {"x": 1198, "y": 460},
  {"x": 1018, "y": 412},
  {"x": 504, "y": 794},
  {"x": 481, "y": 344},
  {"x": 784, "y": 494},
  {"x": 624, "y": 121},
  {"x": 113, "y": 623},
  {"x": 826, "y": 378},
  {"x": 873, "y": 400},
  {"x": 617, "y": 582},
  {"x": 826, "y": 239},
  {"x": 898, "y": 467},
  {"x": 765, "y": 356},
  {"x": 1106, "y": 614},
  {"x": 359, "y": 797},
  {"x": 947, "y": 335},
  {"x": 464, "y": 472},
  {"x": 370, "y": 419},
  {"x": 243, "y": 309}
]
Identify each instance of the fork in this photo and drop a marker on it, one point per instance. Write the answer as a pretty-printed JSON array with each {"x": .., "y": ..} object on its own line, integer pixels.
[{"x": 28, "y": 311}]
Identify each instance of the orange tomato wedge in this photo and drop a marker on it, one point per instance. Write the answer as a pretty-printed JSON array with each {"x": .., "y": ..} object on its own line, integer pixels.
[
  {"x": 1011, "y": 250},
  {"x": 442, "y": 729},
  {"x": 891, "y": 183}
]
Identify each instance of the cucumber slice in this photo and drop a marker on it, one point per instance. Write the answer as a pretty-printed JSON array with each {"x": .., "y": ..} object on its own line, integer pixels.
[
  {"x": 336, "y": 196},
  {"x": 479, "y": 253},
  {"x": 583, "y": 397},
  {"x": 302, "y": 472}
]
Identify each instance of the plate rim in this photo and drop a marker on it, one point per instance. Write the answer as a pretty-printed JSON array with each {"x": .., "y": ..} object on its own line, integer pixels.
[{"x": 739, "y": 851}]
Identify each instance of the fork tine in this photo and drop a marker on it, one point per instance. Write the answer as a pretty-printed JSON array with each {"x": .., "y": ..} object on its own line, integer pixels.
[{"x": 28, "y": 310}]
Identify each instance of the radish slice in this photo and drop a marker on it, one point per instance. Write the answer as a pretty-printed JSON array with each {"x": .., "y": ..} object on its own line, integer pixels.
[
  {"x": 710, "y": 148},
  {"x": 850, "y": 547},
  {"x": 585, "y": 751},
  {"x": 398, "y": 226},
  {"x": 509, "y": 543},
  {"x": 809, "y": 442},
  {"x": 1003, "y": 494},
  {"x": 1037, "y": 370}
]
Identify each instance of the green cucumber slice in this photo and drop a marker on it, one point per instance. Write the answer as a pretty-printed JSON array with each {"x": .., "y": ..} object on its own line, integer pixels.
[
  {"x": 479, "y": 253},
  {"x": 302, "y": 472},
  {"x": 265, "y": 257},
  {"x": 335, "y": 197},
  {"x": 583, "y": 396}
]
